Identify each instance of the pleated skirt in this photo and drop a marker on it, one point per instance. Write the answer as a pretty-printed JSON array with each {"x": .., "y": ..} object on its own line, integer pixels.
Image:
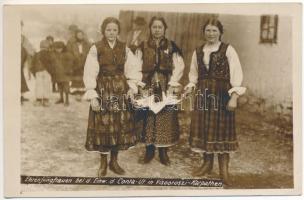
[
  {"x": 113, "y": 127},
  {"x": 212, "y": 125}
]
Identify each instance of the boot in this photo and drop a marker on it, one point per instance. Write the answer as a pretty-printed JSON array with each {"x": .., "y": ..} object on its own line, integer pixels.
[
  {"x": 53, "y": 87},
  {"x": 163, "y": 156},
  {"x": 23, "y": 99},
  {"x": 45, "y": 102},
  {"x": 61, "y": 95},
  {"x": 38, "y": 102},
  {"x": 149, "y": 155},
  {"x": 207, "y": 166},
  {"x": 66, "y": 103},
  {"x": 102, "y": 171},
  {"x": 114, "y": 166},
  {"x": 223, "y": 168},
  {"x": 59, "y": 101}
]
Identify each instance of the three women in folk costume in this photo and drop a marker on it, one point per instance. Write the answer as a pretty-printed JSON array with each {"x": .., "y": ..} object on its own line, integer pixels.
[{"x": 112, "y": 70}]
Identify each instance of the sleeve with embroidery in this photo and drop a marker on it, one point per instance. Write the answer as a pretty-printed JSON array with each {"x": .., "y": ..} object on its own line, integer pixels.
[
  {"x": 193, "y": 74},
  {"x": 91, "y": 70},
  {"x": 236, "y": 73},
  {"x": 133, "y": 70},
  {"x": 178, "y": 70}
]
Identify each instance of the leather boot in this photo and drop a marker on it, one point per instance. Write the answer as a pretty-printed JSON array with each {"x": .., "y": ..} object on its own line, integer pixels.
[
  {"x": 102, "y": 171},
  {"x": 223, "y": 168},
  {"x": 149, "y": 155},
  {"x": 163, "y": 156},
  {"x": 114, "y": 166},
  {"x": 66, "y": 103},
  {"x": 206, "y": 167}
]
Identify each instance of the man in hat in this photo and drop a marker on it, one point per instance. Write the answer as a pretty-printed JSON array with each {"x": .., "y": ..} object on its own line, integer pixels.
[
  {"x": 72, "y": 38},
  {"x": 138, "y": 34}
]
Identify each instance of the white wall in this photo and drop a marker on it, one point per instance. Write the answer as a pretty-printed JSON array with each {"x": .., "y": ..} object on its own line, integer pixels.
[{"x": 267, "y": 67}]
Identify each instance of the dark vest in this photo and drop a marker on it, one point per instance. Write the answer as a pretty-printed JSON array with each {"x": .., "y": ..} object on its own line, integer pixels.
[
  {"x": 163, "y": 53},
  {"x": 111, "y": 61},
  {"x": 218, "y": 64}
]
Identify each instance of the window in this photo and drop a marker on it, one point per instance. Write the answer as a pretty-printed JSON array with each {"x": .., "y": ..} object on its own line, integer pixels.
[{"x": 269, "y": 29}]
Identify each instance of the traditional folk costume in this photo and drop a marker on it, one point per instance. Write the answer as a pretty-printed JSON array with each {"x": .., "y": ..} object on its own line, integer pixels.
[
  {"x": 63, "y": 70},
  {"x": 24, "y": 87},
  {"x": 27, "y": 51},
  {"x": 216, "y": 73},
  {"x": 161, "y": 129},
  {"x": 108, "y": 77},
  {"x": 41, "y": 68},
  {"x": 79, "y": 49}
]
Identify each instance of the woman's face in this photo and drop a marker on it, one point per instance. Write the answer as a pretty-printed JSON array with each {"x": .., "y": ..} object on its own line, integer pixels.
[
  {"x": 111, "y": 31},
  {"x": 79, "y": 36},
  {"x": 212, "y": 33},
  {"x": 157, "y": 29}
]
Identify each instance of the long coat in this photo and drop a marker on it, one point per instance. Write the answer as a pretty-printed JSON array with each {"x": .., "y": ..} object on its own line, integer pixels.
[
  {"x": 79, "y": 60},
  {"x": 63, "y": 66}
]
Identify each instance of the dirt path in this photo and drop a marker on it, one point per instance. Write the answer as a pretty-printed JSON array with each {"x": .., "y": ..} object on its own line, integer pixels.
[{"x": 53, "y": 145}]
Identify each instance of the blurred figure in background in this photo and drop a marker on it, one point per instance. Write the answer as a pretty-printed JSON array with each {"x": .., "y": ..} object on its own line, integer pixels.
[
  {"x": 138, "y": 34},
  {"x": 63, "y": 65},
  {"x": 27, "y": 51},
  {"x": 24, "y": 87},
  {"x": 79, "y": 49},
  {"x": 72, "y": 29},
  {"x": 42, "y": 70},
  {"x": 50, "y": 39}
]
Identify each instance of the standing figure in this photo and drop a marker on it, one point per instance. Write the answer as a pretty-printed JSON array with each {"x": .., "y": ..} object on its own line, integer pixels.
[
  {"x": 50, "y": 39},
  {"x": 138, "y": 34},
  {"x": 24, "y": 87},
  {"x": 63, "y": 65},
  {"x": 216, "y": 74},
  {"x": 162, "y": 68},
  {"x": 42, "y": 67},
  {"x": 27, "y": 52},
  {"x": 79, "y": 48},
  {"x": 108, "y": 72}
]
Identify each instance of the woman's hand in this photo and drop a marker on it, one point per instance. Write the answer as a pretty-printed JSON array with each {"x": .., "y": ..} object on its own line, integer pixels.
[
  {"x": 188, "y": 90},
  {"x": 131, "y": 94},
  {"x": 142, "y": 92},
  {"x": 174, "y": 90},
  {"x": 232, "y": 103},
  {"x": 95, "y": 104}
]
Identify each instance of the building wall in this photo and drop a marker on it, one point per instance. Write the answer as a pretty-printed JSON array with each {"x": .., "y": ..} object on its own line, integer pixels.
[{"x": 267, "y": 68}]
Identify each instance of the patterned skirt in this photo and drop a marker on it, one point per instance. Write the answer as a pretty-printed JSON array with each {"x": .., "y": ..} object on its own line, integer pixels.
[
  {"x": 212, "y": 125},
  {"x": 113, "y": 127},
  {"x": 161, "y": 129}
]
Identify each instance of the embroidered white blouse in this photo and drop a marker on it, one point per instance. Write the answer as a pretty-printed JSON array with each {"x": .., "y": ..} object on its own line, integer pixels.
[
  {"x": 91, "y": 71},
  {"x": 236, "y": 73}
]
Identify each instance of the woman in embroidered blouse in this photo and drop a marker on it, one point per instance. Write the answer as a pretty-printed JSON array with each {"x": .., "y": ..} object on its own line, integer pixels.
[
  {"x": 216, "y": 74},
  {"x": 161, "y": 65},
  {"x": 108, "y": 78}
]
